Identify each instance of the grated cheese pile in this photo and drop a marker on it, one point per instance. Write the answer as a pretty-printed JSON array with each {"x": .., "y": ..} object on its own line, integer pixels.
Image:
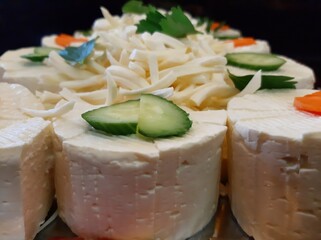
[{"x": 189, "y": 71}]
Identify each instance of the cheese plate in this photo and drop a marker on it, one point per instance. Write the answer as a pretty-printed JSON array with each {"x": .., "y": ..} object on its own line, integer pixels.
[{"x": 221, "y": 227}]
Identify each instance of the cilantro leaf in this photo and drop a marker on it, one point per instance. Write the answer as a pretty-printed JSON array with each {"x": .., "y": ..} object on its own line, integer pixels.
[
  {"x": 135, "y": 6},
  {"x": 268, "y": 81},
  {"x": 76, "y": 55},
  {"x": 177, "y": 24},
  {"x": 151, "y": 23}
]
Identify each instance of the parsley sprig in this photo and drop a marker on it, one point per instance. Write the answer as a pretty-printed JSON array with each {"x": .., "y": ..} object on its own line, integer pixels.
[
  {"x": 136, "y": 6},
  {"x": 268, "y": 81},
  {"x": 175, "y": 23}
]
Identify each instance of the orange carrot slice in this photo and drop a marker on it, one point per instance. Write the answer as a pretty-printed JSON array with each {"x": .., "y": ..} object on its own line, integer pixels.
[
  {"x": 315, "y": 94},
  {"x": 309, "y": 103},
  {"x": 244, "y": 41},
  {"x": 215, "y": 25},
  {"x": 66, "y": 40}
]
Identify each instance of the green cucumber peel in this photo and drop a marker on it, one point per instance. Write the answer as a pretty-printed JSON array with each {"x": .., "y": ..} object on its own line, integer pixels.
[
  {"x": 150, "y": 117},
  {"x": 268, "y": 81}
]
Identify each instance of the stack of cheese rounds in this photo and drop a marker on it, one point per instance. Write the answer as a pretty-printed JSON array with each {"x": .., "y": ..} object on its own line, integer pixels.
[{"x": 133, "y": 187}]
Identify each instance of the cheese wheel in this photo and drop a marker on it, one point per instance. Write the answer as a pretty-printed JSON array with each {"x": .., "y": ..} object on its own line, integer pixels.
[
  {"x": 275, "y": 166},
  {"x": 26, "y": 164},
  {"x": 34, "y": 76},
  {"x": 123, "y": 187},
  {"x": 13, "y": 97},
  {"x": 260, "y": 46}
]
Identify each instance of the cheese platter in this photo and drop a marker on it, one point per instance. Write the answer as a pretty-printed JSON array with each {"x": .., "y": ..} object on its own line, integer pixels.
[{"x": 132, "y": 127}]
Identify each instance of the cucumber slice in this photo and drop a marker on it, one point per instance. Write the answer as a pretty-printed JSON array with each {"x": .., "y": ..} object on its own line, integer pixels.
[
  {"x": 255, "y": 61},
  {"x": 39, "y": 54},
  {"x": 33, "y": 57},
  {"x": 117, "y": 119},
  {"x": 160, "y": 118},
  {"x": 151, "y": 116},
  {"x": 44, "y": 50}
]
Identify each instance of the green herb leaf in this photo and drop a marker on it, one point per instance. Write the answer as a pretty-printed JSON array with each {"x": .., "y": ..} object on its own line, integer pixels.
[
  {"x": 135, "y": 6},
  {"x": 78, "y": 55},
  {"x": 175, "y": 24},
  {"x": 151, "y": 23},
  {"x": 39, "y": 54},
  {"x": 268, "y": 81}
]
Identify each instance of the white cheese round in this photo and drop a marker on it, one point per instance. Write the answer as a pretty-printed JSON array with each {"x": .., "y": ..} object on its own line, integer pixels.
[
  {"x": 13, "y": 97},
  {"x": 50, "y": 41},
  {"x": 260, "y": 46},
  {"x": 33, "y": 75},
  {"x": 228, "y": 33},
  {"x": 275, "y": 166},
  {"x": 123, "y": 187},
  {"x": 26, "y": 164}
]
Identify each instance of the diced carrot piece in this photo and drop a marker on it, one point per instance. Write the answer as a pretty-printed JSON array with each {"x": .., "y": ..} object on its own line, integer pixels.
[
  {"x": 309, "y": 103},
  {"x": 244, "y": 41},
  {"x": 215, "y": 25},
  {"x": 316, "y": 94},
  {"x": 66, "y": 40}
]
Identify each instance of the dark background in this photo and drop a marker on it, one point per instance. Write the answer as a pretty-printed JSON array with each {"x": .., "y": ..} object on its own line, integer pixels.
[{"x": 292, "y": 27}]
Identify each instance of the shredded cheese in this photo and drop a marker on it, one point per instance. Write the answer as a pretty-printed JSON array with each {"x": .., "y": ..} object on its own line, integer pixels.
[
  {"x": 126, "y": 64},
  {"x": 49, "y": 220},
  {"x": 48, "y": 97},
  {"x": 58, "y": 110},
  {"x": 84, "y": 83},
  {"x": 253, "y": 85}
]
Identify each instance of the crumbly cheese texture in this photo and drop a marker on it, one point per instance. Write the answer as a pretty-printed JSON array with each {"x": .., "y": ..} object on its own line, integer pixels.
[
  {"x": 34, "y": 76},
  {"x": 26, "y": 164},
  {"x": 123, "y": 187},
  {"x": 274, "y": 166},
  {"x": 303, "y": 75},
  {"x": 26, "y": 183}
]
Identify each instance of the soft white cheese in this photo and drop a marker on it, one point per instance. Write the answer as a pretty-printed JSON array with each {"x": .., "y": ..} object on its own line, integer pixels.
[
  {"x": 129, "y": 188},
  {"x": 303, "y": 75},
  {"x": 274, "y": 166},
  {"x": 228, "y": 33},
  {"x": 34, "y": 76},
  {"x": 50, "y": 41},
  {"x": 26, "y": 178},
  {"x": 260, "y": 46},
  {"x": 12, "y": 98},
  {"x": 26, "y": 164}
]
